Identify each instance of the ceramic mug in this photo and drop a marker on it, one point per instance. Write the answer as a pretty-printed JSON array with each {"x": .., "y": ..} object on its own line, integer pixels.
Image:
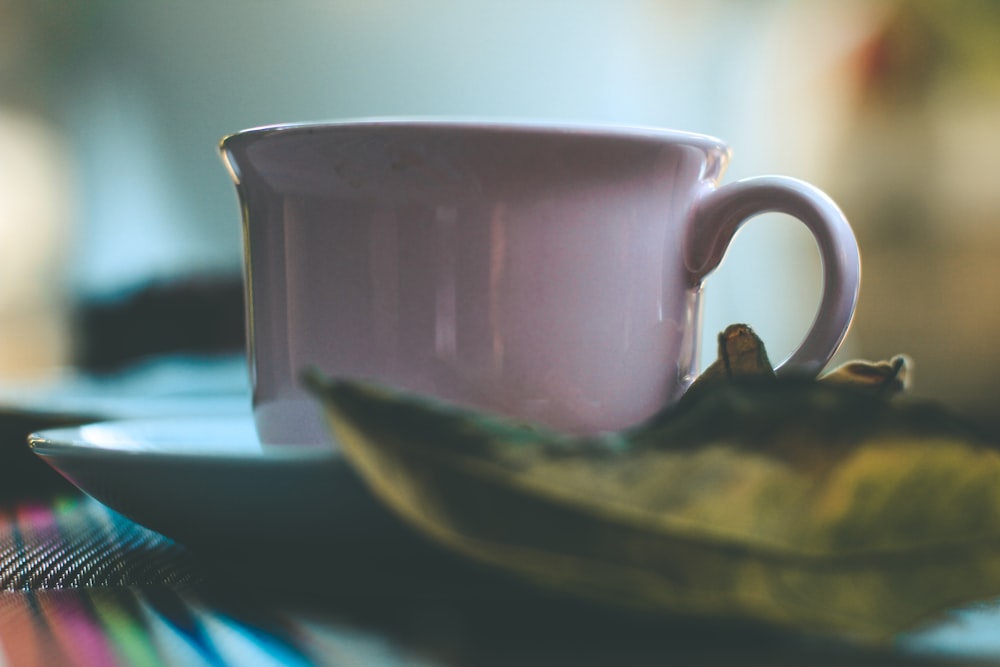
[{"x": 550, "y": 273}]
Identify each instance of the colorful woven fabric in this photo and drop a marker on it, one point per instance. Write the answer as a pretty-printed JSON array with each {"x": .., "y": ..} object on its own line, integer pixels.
[
  {"x": 82, "y": 585},
  {"x": 78, "y": 542}
]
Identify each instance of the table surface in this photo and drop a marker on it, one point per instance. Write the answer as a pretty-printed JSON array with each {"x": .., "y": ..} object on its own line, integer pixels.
[{"x": 83, "y": 585}]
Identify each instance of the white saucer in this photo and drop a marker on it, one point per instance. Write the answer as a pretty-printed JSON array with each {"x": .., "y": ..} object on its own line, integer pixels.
[{"x": 209, "y": 480}]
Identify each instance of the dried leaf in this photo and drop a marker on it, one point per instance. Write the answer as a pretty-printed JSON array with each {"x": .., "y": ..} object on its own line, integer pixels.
[
  {"x": 810, "y": 505},
  {"x": 884, "y": 377}
]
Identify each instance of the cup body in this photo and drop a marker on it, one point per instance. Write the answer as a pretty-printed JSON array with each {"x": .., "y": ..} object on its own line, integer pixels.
[{"x": 530, "y": 270}]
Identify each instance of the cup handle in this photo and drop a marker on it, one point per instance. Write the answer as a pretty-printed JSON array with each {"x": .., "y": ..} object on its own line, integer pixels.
[{"x": 721, "y": 211}]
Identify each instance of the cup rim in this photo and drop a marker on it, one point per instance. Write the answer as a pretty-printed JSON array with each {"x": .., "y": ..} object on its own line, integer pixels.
[{"x": 705, "y": 142}]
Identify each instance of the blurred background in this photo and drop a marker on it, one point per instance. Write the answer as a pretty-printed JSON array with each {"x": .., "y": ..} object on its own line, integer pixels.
[{"x": 119, "y": 227}]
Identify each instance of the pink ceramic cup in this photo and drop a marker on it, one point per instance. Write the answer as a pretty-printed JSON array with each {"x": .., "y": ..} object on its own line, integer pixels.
[{"x": 547, "y": 272}]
